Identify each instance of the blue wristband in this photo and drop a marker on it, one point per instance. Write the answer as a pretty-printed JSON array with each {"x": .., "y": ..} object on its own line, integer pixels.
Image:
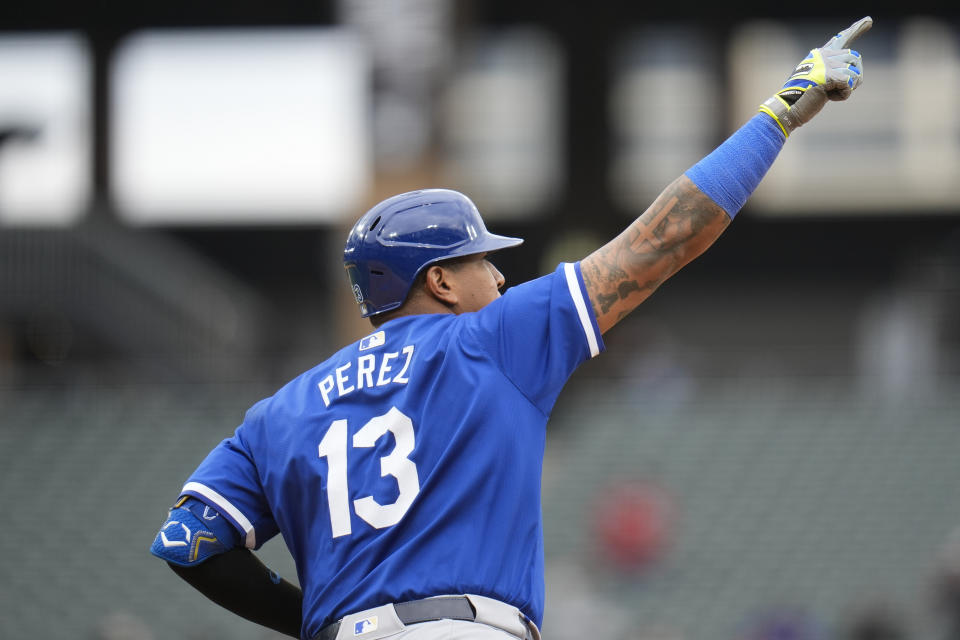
[{"x": 732, "y": 171}]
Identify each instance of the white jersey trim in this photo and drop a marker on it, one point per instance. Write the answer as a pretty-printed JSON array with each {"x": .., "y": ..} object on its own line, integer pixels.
[
  {"x": 573, "y": 283},
  {"x": 224, "y": 505}
]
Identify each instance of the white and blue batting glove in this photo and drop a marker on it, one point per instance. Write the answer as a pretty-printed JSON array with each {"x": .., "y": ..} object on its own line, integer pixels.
[{"x": 830, "y": 72}]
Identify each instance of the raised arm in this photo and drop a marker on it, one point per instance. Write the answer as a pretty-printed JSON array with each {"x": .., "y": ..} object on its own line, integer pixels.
[
  {"x": 680, "y": 224},
  {"x": 695, "y": 208}
]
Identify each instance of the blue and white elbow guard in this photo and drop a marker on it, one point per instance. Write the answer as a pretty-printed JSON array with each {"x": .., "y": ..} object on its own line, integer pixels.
[{"x": 193, "y": 533}]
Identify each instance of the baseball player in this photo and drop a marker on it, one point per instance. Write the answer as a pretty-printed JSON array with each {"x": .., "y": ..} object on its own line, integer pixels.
[{"x": 404, "y": 471}]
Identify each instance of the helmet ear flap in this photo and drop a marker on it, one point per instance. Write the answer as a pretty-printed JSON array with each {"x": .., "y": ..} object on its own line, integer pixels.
[{"x": 356, "y": 285}]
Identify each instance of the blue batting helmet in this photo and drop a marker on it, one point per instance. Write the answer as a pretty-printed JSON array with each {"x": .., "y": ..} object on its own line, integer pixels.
[{"x": 395, "y": 240}]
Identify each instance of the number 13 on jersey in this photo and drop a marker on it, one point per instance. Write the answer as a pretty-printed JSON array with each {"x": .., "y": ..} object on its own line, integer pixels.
[{"x": 333, "y": 447}]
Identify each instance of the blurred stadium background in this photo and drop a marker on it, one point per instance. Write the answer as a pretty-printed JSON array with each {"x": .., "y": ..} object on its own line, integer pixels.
[{"x": 768, "y": 449}]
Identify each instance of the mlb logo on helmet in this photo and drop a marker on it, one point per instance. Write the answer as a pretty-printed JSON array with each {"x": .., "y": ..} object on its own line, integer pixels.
[{"x": 366, "y": 625}]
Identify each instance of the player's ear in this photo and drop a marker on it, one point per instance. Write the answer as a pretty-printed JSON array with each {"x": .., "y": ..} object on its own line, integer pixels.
[{"x": 439, "y": 284}]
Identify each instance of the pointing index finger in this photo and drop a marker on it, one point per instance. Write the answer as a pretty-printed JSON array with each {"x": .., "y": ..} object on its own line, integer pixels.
[{"x": 843, "y": 39}]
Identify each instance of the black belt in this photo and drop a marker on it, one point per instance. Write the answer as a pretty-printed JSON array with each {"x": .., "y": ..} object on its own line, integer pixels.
[{"x": 426, "y": 610}]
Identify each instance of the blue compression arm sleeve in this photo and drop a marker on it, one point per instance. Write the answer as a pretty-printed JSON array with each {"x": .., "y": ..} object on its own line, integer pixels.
[{"x": 734, "y": 169}]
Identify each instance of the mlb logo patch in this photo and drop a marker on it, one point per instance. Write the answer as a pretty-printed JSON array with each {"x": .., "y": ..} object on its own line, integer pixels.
[
  {"x": 373, "y": 340},
  {"x": 366, "y": 625}
]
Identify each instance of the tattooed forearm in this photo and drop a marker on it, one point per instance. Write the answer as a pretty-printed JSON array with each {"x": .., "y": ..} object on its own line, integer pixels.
[{"x": 680, "y": 225}]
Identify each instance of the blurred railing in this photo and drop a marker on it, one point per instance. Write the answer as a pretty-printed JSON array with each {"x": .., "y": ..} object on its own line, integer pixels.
[{"x": 154, "y": 303}]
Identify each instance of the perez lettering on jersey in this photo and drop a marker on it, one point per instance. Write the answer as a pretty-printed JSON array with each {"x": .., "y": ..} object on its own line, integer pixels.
[{"x": 369, "y": 370}]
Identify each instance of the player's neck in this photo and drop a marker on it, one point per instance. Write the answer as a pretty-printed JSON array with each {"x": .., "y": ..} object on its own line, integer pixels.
[{"x": 414, "y": 306}]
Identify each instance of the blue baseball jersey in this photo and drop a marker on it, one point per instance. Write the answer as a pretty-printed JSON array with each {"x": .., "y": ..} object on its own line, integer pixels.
[{"x": 408, "y": 464}]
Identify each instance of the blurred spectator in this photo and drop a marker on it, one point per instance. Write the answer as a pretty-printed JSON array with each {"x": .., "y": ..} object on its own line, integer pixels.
[
  {"x": 945, "y": 586},
  {"x": 783, "y": 623},
  {"x": 122, "y": 625},
  {"x": 875, "y": 620},
  {"x": 634, "y": 524}
]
